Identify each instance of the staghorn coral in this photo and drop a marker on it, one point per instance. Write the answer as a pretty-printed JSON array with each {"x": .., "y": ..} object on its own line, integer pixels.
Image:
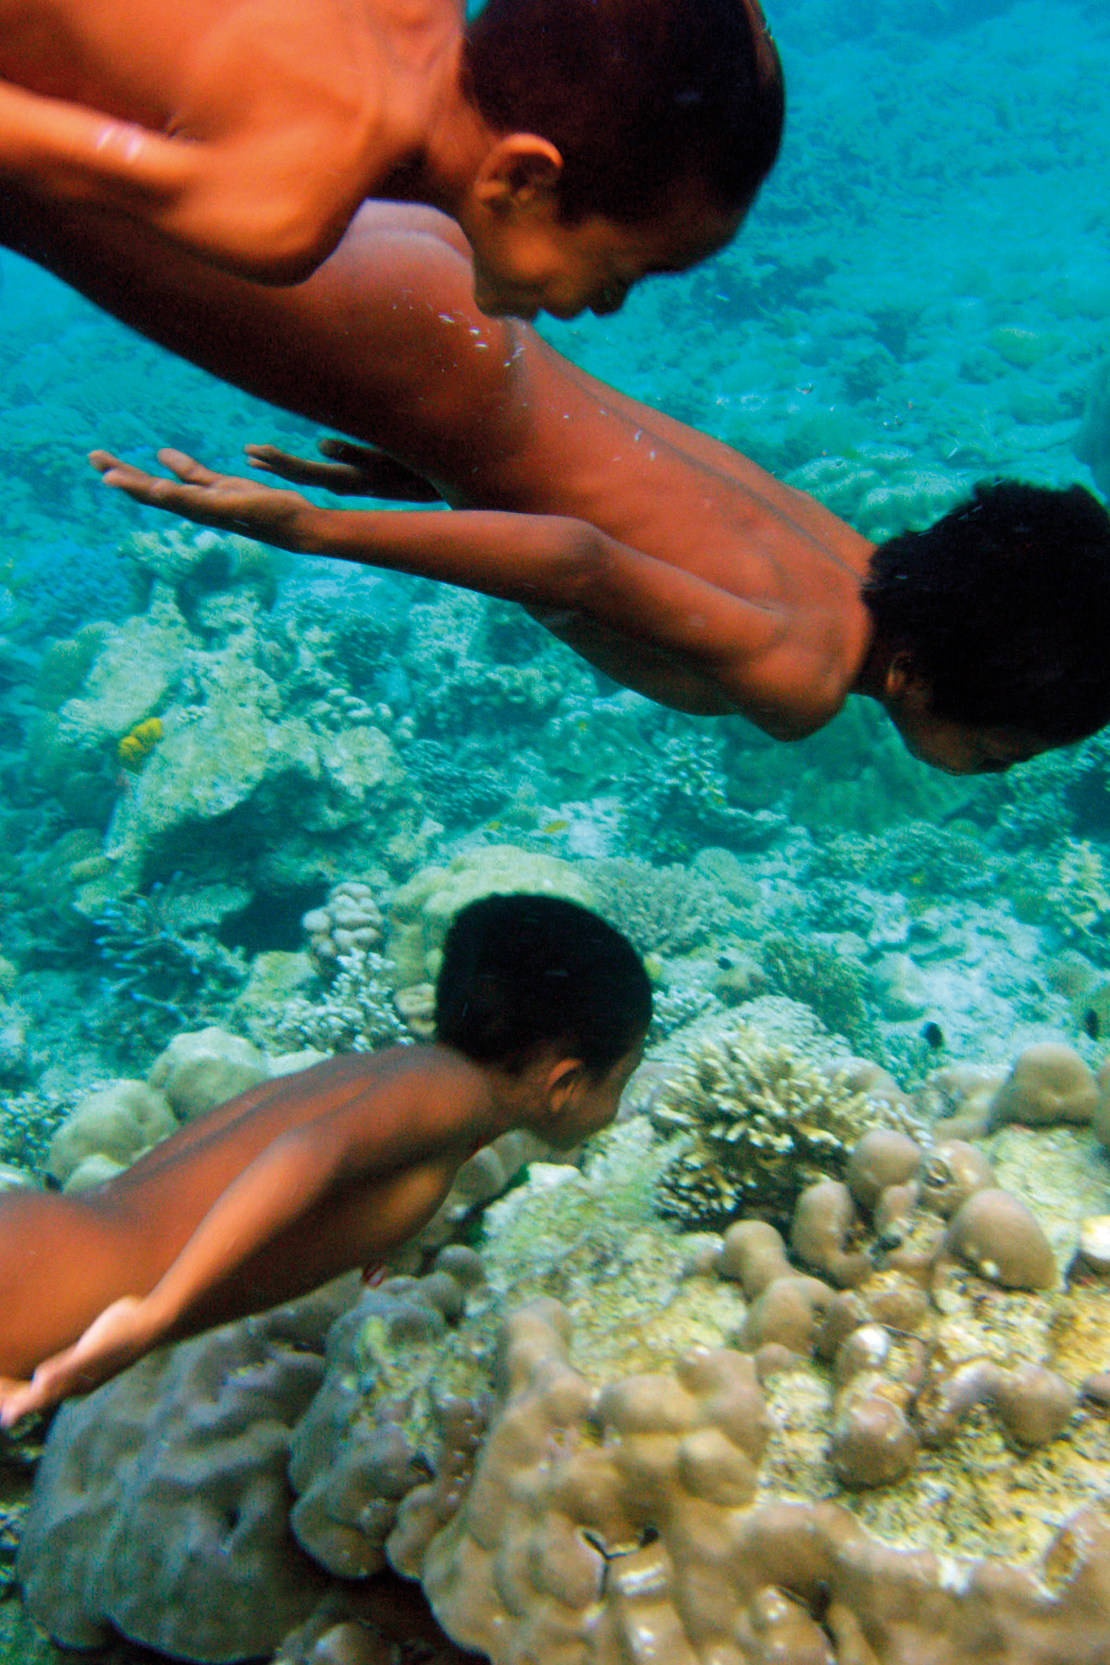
[
  {"x": 678, "y": 798},
  {"x": 760, "y": 1123}
]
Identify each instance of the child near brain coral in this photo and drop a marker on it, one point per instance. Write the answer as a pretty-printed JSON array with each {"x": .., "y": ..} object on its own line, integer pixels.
[
  {"x": 580, "y": 144},
  {"x": 541, "y": 1014}
]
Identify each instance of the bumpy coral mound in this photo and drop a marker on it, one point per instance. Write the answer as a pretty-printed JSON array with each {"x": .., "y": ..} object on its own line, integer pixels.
[
  {"x": 422, "y": 909},
  {"x": 861, "y": 1440},
  {"x": 1049, "y": 1082},
  {"x": 161, "y": 1507},
  {"x": 604, "y": 1525}
]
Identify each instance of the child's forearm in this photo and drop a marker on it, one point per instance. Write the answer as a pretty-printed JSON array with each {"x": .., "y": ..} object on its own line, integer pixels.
[
  {"x": 65, "y": 150},
  {"x": 547, "y": 561},
  {"x": 222, "y": 202}
]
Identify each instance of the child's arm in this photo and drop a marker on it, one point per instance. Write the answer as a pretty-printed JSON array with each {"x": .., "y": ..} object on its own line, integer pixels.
[
  {"x": 543, "y": 561},
  {"x": 260, "y": 174},
  {"x": 273, "y": 1193},
  {"x": 269, "y": 1195}
]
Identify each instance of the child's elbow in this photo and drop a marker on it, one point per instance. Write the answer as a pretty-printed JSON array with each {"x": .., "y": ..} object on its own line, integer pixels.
[
  {"x": 283, "y": 250},
  {"x": 266, "y": 237},
  {"x": 580, "y": 557}
]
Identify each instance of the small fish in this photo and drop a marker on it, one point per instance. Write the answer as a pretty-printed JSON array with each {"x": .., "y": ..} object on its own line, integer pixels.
[
  {"x": 1091, "y": 1024},
  {"x": 553, "y": 827},
  {"x": 932, "y": 1034}
]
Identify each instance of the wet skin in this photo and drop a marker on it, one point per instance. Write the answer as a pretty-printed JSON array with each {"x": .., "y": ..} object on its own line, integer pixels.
[
  {"x": 716, "y": 589},
  {"x": 248, "y": 132},
  {"x": 262, "y": 1199}
]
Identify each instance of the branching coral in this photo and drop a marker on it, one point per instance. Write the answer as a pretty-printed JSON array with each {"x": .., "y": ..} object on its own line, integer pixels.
[
  {"x": 158, "y": 980},
  {"x": 818, "y": 978},
  {"x": 679, "y": 800},
  {"x": 662, "y": 909},
  {"x": 356, "y": 1013},
  {"x": 761, "y": 1124},
  {"x": 1082, "y": 893}
]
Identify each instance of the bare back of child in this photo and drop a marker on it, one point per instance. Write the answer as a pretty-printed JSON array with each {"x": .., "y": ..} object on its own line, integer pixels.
[
  {"x": 286, "y": 1186},
  {"x": 249, "y": 131},
  {"x": 121, "y": 1237}
]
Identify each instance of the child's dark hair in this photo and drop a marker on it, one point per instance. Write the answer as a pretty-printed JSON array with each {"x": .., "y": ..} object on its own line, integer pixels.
[
  {"x": 640, "y": 97},
  {"x": 1003, "y": 606},
  {"x": 521, "y": 972}
]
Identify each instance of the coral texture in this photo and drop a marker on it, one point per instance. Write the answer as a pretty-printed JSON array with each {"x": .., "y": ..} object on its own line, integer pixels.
[
  {"x": 760, "y": 1123},
  {"x": 161, "y": 1508}
]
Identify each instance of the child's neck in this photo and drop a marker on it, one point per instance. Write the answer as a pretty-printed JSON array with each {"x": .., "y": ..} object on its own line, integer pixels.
[{"x": 455, "y": 142}]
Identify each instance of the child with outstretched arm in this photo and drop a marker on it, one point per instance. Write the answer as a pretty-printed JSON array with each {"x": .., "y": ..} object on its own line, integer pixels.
[
  {"x": 580, "y": 144},
  {"x": 541, "y": 1014}
]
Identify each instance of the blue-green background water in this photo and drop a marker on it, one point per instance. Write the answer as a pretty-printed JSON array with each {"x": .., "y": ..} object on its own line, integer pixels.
[{"x": 921, "y": 298}]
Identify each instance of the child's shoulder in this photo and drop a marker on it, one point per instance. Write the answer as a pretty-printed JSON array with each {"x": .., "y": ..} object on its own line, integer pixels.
[{"x": 437, "y": 1081}]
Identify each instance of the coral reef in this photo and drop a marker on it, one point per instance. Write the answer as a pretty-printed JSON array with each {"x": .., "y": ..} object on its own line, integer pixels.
[
  {"x": 358, "y": 1011},
  {"x": 349, "y": 919},
  {"x": 110, "y": 1541},
  {"x": 421, "y": 910},
  {"x": 822, "y": 980},
  {"x": 159, "y": 977},
  {"x": 758, "y": 1124},
  {"x": 597, "y": 1427},
  {"x": 663, "y": 910}
]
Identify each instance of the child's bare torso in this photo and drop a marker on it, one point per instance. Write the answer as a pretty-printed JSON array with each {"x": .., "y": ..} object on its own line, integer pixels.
[
  {"x": 164, "y": 1195},
  {"x": 139, "y": 62}
]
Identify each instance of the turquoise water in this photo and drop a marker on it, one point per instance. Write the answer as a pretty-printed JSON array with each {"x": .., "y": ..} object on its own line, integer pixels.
[{"x": 920, "y": 299}]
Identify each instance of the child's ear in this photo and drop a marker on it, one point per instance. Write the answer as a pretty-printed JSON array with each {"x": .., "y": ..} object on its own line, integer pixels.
[
  {"x": 563, "y": 1080},
  {"x": 518, "y": 171},
  {"x": 904, "y": 682}
]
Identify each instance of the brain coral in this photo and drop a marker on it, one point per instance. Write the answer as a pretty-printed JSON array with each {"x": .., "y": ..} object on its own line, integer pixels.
[
  {"x": 761, "y": 1123},
  {"x": 161, "y": 1506}
]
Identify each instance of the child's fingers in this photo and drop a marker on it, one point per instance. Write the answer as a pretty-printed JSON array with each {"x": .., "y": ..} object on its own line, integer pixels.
[
  {"x": 103, "y": 460},
  {"x": 187, "y": 468},
  {"x": 270, "y": 460},
  {"x": 144, "y": 488}
]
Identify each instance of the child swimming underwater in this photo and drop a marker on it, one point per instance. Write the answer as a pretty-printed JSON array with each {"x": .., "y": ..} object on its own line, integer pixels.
[
  {"x": 580, "y": 144},
  {"x": 541, "y": 1014}
]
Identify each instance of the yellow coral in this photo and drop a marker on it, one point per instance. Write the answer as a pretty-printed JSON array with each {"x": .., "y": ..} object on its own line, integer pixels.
[{"x": 135, "y": 747}]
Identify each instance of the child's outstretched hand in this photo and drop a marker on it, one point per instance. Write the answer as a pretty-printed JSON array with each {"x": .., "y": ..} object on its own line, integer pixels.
[
  {"x": 353, "y": 471},
  {"x": 223, "y": 500},
  {"x": 123, "y": 1333}
]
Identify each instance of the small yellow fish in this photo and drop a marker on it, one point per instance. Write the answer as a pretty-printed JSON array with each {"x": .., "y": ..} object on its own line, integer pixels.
[
  {"x": 134, "y": 749},
  {"x": 553, "y": 827}
]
